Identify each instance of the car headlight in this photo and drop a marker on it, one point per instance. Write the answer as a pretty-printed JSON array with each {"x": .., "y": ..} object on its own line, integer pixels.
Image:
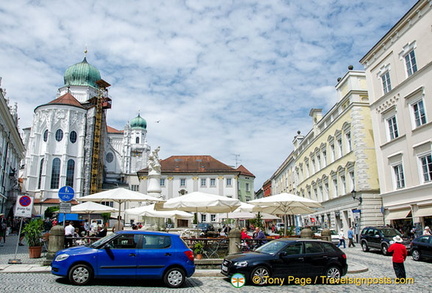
[
  {"x": 61, "y": 257},
  {"x": 241, "y": 264}
]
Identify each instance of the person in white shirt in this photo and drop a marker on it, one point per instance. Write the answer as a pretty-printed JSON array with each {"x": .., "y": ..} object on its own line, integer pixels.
[
  {"x": 427, "y": 231},
  {"x": 341, "y": 238},
  {"x": 69, "y": 232}
]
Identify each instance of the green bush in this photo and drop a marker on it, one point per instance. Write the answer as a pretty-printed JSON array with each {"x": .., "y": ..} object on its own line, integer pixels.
[{"x": 32, "y": 232}]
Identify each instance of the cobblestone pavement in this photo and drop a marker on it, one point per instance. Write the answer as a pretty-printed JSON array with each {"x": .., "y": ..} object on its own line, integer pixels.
[{"x": 379, "y": 266}]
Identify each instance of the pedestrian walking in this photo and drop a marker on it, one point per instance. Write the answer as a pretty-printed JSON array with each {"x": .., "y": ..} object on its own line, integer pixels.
[
  {"x": 399, "y": 255},
  {"x": 69, "y": 232},
  {"x": 3, "y": 228},
  {"x": 341, "y": 238},
  {"x": 350, "y": 237}
]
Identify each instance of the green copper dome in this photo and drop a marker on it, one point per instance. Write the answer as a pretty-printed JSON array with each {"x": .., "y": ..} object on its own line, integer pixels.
[
  {"x": 138, "y": 122},
  {"x": 82, "y": 74}
]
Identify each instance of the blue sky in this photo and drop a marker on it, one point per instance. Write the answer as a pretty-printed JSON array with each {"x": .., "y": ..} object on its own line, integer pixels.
[{"x": 223, "y": 78}]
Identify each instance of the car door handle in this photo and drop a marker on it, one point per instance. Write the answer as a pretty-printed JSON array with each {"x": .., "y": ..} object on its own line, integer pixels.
[
  {"x": 301, "y": 258},
  {"x": 132, "y": 254},
  {"x": 167, "y": 254}
]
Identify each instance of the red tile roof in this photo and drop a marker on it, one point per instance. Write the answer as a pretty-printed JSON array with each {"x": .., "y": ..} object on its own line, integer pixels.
[
  {"x": 113, "y": 130},
  {"x": 244, "y": 171},
  {"x": 51, "y": 201},
  {"x": 193, "y": 164},
  {"x": 67, "y": 99}
]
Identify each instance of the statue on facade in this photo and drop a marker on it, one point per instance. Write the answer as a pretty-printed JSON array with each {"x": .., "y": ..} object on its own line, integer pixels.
[{"x": 154, "y": 165}]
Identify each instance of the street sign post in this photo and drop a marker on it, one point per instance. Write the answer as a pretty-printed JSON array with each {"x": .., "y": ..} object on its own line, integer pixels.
[
  {"x": 24, "y": 206},
  {"x": 65, "y": 207},
  {"x": 66, "y": 193}
]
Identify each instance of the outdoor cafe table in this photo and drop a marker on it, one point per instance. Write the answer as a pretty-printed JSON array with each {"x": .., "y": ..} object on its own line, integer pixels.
[{"x": 212, "y": 246}]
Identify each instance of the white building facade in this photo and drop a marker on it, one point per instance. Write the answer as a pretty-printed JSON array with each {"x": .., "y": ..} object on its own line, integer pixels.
[{"x": 399, "y": 74}]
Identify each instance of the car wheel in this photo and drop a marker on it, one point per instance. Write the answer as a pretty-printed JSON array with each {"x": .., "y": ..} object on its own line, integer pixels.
[
  {"x": 80, "y": 274},
  {"x": 415, "y": 255},
  {"x": 259, "y": 275},
  {"x": 365, "y": 247},
  {"x": 333, "y": 273},
  {"x": 384, "y": 249},
  {"x": 174, "y": 278}
]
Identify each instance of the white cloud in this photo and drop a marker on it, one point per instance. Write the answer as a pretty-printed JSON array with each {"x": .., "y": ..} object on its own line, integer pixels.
[{"x": 223, "y": 77}]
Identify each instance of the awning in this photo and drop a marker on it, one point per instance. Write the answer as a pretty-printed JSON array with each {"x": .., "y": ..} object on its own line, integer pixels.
[
  {"x": 424, "y": 211},
  {"x": 398, "y": 214}
]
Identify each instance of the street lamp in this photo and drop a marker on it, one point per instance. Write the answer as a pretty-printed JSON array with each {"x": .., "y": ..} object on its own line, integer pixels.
[{"x": 354, "y": 196}]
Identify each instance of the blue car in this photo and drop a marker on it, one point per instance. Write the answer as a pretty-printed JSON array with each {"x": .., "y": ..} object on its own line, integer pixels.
[{"x": 128, "y": 254}]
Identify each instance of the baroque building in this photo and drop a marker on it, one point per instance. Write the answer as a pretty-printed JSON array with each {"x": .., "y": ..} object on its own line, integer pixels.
[
  {"x": 11, "y": 153},
  {"x": 399, "y": 74}
]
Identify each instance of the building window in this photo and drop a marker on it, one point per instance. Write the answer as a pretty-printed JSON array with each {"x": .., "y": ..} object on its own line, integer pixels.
[
  {"x": 348, "y": 140},
  {"x": 333, "y": 153},
  {"x": 352, "y": 176},
  {"x": 247, "y": 187},
  {"x": 70, "y": 173},
  {"x": 162, "y": 182},
  {"x": 55, "y": 173},
  {"x": 324, "y": 154},
  {"x": 426, "y": 163},
  {"x": 213, "y": 218},
  {"x": 109, "y": 157},
  {"x": 343, "y": 181},
  {"x": 410, "y": 62},
  {"x": 340, "y": 147},
  {"x": 73, "y": 137},
  {"x": 203, "y": 218},
  {"x": 45, "y": 135},
  {"x": 203, "y": 182},
  {"x": 59, "y": 135},
  {"x": 228, "y": 182},
  {"x": 335, "y": 188},
  {"x": 108, "y": 203},
  {"x": 392, "y": 127},
  {"x": 137, "y": 140},
  {"x": 419, "y": 113},
  {"x": 399, "y": 176},
  {"x": 212, "y": 182},
  {"x": 385, "y": 79},
  {"x": 134, "y": 187},
  {"x": 182, "y": 182},
  {"x": 40, "y": 173}
]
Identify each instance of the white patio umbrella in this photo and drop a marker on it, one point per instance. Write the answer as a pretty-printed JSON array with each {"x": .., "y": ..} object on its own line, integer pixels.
[
  {"x": 119, "y": 195},
  {"x": 246, "y": 215},
  {"x": 200, "y": 202},
  {"x": 149, "y": 211},
  {"x": 91, "y": 208},
  {"x": 285, "y": 204}
]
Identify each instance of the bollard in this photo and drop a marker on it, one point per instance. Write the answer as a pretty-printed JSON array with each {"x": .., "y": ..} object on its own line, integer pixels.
[
  {"x": 56, "y": 243},
  {"x": 234, "y": 238},
  {"x": 326, "y": 234},
  {"x": 306, "y": 233}
]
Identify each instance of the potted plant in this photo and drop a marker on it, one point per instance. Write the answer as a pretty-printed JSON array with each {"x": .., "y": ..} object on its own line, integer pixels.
[
  {"x": 198, "y": 249},
  {"x": 32, "y": 234}
]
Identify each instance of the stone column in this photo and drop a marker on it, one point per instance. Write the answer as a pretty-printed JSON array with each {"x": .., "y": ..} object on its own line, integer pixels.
[
  {"x": 234, "y": 239},
  {"x": 55, "y": 243}
]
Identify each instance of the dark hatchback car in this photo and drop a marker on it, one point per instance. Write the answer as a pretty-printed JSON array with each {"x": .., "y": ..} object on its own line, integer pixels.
[
  {"x": 206, "y": 228},
  {"x": 285, "y": 258},
  {"x": 379, "y": 238},
  {"x": 421, "y": 247},
  {"x": 127, "y": 254}
]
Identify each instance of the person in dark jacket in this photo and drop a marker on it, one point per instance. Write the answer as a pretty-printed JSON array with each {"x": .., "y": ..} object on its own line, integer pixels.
[{"x": 399, "y": 255}]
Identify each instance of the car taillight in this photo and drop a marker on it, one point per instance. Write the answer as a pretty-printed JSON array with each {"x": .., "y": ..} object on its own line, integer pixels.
[
  {"x": 344, "y": 256},
  {"x": 189, "y": 254}
]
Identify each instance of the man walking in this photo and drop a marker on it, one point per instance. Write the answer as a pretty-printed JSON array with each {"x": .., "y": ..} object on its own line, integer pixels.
[
  {"x": 350, "y": 237},
  {"x": 399, "y": 256},
  {"x": 341, "y": 238}
]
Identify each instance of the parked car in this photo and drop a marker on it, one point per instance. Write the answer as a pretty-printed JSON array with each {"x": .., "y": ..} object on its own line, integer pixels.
[
  {"x": 287, "y": 257},
  {"x": 421, "y": 247},
  {"x": 379, "y": 238},
  {"x": 333, "y": 233},
  {"x": 206, "y": 228},
  {"x": 127, "y": 254}
]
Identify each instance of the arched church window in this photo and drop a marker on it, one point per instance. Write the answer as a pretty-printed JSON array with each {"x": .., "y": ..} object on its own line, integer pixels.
[
  {"x": 70, "y": 173},
  {"x": 137, "y": 140},
  {"x": 40, "y": 173},
  {"x": 45, "y": 136},
  {"x": 55, "y": 174},
  {"x": 59, "y": 135},
  {"x": 73, "y": 137},
  {"x": 109, "y": 157}
]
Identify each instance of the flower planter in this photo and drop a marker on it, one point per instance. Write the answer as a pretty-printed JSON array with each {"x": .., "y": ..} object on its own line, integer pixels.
[{"x": 35, "y": 251}]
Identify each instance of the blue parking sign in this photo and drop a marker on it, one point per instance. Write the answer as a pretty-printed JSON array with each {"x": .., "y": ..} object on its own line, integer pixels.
[{"x": 66, "y": 193}]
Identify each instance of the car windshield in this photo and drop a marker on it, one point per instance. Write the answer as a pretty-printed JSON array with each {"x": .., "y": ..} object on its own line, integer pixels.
[
  {"x": 99, "y": 243},
  {"x": 272, "y": 247},
  {"x": 390, "y": 232}
]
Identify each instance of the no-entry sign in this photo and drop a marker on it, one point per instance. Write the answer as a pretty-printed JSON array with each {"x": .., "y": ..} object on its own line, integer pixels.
[{"x": 24, "y": 206}]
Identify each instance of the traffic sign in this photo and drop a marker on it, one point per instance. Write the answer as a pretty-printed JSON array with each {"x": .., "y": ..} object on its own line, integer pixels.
[
  {"x": 65, "y": 207},
  {"x": 24, "y": 206},
  {"x": 66, "y": 193}
]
